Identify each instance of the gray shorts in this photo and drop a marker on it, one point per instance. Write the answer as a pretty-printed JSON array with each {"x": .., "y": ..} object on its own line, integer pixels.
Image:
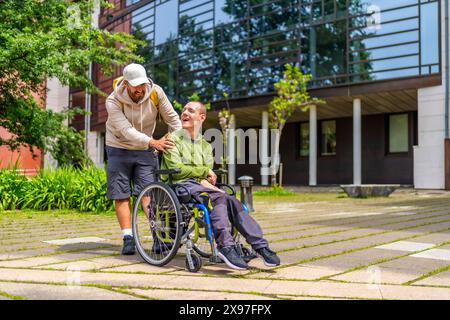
[{"x": 129, "y": 170}]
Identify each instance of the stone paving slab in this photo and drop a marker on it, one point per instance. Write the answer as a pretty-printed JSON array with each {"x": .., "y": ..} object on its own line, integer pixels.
[
  {"x": 348, "y": 290},
  {"x": 440, "y": 279},
  {"x": 310, "y": 288},
  {"x": 96, "y": 263},
  {"x": 61, "y": 292},
  {"x": 406, "y": 246},
  {"x": 434, "y": 254},
  {"x": 47, "y": 234},
  {"x": 339, "y": 247},
  {"x": 196, "y": 295},
  {"x": 433, "y": 238},
  {"x": 348, "y": 222},
  {"x": 303, "y": 233},
  {"x": 24, "y": 254},
  {"x": 144, "y": 267},
  {"x": 360, "y": 233},
  {"x": 351, "y": 260},
  {"x": 395, "y": 272},
  {"x": 59, "y": 258},
  {"x": 300, "y": 272}
]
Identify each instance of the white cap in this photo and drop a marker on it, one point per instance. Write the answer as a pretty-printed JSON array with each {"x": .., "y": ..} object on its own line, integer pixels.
[{"x": 135, "y": 74}]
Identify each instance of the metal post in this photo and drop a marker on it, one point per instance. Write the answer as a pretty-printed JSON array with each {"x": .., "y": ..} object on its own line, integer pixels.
[
  {"x": 246, "y": 183},
  {"x": 280, "y": 178}
]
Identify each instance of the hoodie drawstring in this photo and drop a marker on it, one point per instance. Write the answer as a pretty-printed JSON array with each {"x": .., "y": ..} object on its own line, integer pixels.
[{"x": 140, "y": 105}]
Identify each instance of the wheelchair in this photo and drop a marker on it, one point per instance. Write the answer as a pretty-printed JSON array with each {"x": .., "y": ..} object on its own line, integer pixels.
[{"x": 166, "y": 216}]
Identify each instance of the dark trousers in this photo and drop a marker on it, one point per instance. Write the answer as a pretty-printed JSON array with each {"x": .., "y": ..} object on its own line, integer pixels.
[{"x": 228, "y": 211}]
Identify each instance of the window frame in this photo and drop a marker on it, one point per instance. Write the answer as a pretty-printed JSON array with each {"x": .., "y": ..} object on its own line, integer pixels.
[
  {"x": 299, "y": 140},
  {"x": 320, "y": 122},
  {"x": 387, "y": 152}
]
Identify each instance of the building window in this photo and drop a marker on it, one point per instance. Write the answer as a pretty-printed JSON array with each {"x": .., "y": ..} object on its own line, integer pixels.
[
  {"x": 130, "y": 2},
  {"x": 328, "y": 138},
  {"x": 304, "y": 139},
  {"x": 398, "y": 133}
]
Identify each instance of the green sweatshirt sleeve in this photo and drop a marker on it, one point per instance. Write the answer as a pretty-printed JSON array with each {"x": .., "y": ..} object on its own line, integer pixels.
[
  {"x": 172, "y": 160},
  {"x": 208, "y": 155}
]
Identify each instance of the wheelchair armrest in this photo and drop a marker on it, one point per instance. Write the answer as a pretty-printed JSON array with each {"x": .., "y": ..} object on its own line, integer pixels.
[
  {"x": 226, "y": 187},
  {"x": 168, "y": 171}
]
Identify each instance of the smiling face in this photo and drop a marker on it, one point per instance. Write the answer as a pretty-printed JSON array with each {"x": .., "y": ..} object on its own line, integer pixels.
[
  {"x": 136, "y": 93},
  {"x": 193, "y": 115}
]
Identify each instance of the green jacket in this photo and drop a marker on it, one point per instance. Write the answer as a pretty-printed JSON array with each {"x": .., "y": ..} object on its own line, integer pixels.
[{"x": 193, "y": 157}]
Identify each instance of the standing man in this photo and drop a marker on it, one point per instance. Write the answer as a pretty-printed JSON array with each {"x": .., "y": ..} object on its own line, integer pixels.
[{"x": 132, "y": 109}]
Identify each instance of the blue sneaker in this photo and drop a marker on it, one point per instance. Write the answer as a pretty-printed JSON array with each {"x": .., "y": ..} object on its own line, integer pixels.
[
  {"x": 128, "y": 245},
  {"x": 230, "y": 256}
]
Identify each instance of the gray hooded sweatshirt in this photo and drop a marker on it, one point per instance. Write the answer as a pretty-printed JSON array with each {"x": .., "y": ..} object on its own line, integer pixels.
[{"x": 131, "y": 125}]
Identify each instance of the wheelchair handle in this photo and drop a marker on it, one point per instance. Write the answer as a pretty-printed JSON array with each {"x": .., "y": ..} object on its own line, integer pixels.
[{"x": 220, "y": 171}]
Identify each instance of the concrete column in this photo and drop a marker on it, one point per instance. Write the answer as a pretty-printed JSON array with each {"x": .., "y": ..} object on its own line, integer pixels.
[
  {"x": 357, "y": 141},
  {"x": 313, "y": 146},
  {"x": 57, "y": 99},
  {"x": 232, "y": 152},
  {"x": 264, "y": 148}
]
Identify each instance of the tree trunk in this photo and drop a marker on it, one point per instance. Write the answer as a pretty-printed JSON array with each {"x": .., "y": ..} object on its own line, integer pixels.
[{"x": 275, "y": 160}]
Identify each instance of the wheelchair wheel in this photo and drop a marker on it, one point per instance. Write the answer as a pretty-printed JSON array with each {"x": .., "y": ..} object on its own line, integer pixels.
[
  {"x": 196, "y": 263},
  {"x": 157, "y": 224}
]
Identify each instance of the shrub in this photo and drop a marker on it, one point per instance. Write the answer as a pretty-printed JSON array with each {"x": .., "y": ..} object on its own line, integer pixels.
[
  {"x": 64, "y": 188},
  {"x": 11, "y": 189}
]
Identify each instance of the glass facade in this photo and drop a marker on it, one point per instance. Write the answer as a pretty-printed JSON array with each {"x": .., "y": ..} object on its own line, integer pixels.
[{"x": 241, "y": 46}]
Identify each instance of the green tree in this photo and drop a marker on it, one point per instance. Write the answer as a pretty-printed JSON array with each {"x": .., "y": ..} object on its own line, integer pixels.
[
  {"x": 45, "y": 39},
  {"x": 292, "y": 94}
]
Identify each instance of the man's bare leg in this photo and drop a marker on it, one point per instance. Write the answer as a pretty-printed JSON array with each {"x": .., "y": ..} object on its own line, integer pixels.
[
  {"x": 145, "y": 202},
  {"x": 123, "y": 213}
]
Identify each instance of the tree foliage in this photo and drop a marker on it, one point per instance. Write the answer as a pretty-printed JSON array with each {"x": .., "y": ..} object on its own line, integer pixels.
[
  {"x": 46, "y": 39},
  {"x": 292, "y": 94}
]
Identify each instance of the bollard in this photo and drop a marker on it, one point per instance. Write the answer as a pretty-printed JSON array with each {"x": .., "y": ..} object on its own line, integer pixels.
[{"x": 246, "y": 183}]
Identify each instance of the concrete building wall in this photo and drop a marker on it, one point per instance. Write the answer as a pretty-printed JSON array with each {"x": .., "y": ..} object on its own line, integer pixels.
[{"x": 429, "y": 158}]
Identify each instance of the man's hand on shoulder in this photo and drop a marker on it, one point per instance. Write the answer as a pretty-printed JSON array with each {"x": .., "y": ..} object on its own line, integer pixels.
[{"x": 163, "y": 144}]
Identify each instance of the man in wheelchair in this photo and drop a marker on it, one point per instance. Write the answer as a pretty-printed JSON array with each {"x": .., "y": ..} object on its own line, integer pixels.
[{"x": 193, "y": 155}]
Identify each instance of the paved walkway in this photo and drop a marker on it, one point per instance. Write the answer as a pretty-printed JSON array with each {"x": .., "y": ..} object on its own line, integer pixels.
[{"x": 339, "y": 248}]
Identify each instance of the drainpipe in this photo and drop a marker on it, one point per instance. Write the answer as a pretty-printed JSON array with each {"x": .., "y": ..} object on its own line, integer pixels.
[
  {"x": 447, "y": 85},
  {"x": 447, "y": 75}
]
